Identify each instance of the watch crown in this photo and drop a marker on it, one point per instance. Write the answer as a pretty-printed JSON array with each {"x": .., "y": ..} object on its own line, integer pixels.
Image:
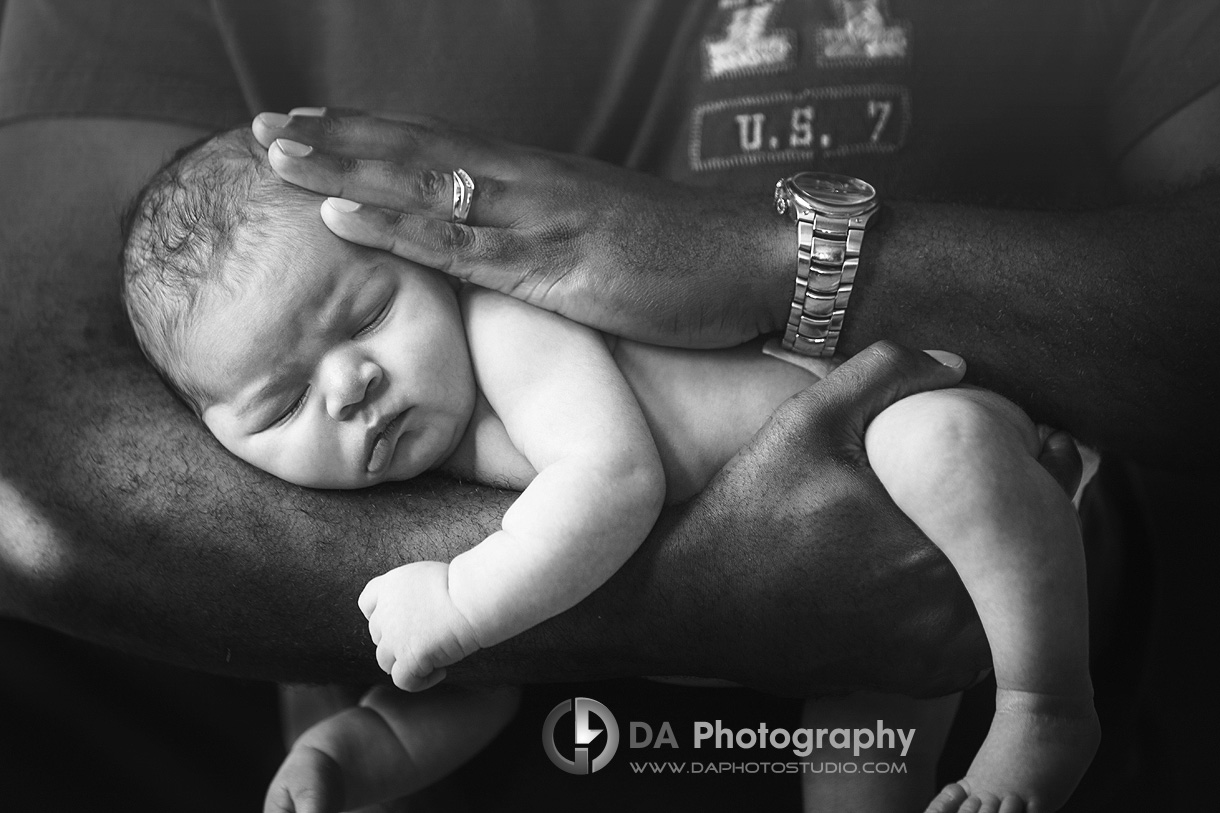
[{"x": 781, "y": 198}]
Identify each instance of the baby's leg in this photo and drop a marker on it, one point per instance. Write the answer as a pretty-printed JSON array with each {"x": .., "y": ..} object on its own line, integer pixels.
[
  {"x": 962, "y": 464},
  {"x": 882, "y": 779},
  {"x": 391, "y": 745}
]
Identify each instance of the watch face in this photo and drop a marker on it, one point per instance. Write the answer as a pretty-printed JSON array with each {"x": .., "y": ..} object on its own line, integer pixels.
[{"x": 835, "y": 193}]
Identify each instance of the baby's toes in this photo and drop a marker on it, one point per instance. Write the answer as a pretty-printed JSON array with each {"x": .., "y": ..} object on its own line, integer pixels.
[
  {"x": 987, "y": 803},
  {"x": 948, "y": 800},
  {"x": 309, "y": 781},
  {"x": 1013, "y": 804}
]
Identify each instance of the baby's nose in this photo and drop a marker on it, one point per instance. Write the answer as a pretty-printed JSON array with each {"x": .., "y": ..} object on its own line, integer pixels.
[{"x": 353, "y": 388}]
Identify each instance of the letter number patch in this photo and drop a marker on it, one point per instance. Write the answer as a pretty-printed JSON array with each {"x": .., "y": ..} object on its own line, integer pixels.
[{"x": 799, "y": 127}]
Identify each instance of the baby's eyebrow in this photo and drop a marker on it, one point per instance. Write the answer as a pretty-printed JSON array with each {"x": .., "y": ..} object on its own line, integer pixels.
[
  {"x": 337, "y": 307},
  {"x": 270, "y": 388}
]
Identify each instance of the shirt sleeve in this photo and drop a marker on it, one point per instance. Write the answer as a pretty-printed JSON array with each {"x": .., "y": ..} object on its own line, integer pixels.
[
  {"x": 1171, "y": 58},
  {"x": 157, "y": 59}
]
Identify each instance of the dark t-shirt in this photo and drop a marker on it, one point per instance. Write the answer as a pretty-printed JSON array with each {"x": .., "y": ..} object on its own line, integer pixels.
[
  {"x": 988, "y": 101},
  {"x": 970, "y": 100}
]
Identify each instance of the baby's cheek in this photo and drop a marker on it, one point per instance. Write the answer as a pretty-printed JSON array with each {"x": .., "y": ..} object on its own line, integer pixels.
[{"x": 312, "y": 459}]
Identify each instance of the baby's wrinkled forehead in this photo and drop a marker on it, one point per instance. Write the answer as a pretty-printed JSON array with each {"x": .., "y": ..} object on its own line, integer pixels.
[{"x": 260, "y": 323}]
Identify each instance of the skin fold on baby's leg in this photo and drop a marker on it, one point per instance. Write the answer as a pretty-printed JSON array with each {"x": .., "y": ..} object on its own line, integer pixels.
[
  {"x": 962, "y": 464},
  {"x": 390, "y": 745},
  {"x": 837, "y": 781}
]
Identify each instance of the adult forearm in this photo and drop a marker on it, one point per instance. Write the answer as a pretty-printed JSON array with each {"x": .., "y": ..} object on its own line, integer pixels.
[
  {"x": 1098, "y": 322},
  {"x": 127, "y": 525},
  {"x": 134, "y": 529}
]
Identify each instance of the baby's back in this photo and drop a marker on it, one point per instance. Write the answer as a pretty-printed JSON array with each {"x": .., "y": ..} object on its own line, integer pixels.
[{"x": 704, "y": 405}]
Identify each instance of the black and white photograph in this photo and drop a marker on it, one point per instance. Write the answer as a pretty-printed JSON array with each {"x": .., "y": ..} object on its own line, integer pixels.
[{"x": 609, "y": 405}]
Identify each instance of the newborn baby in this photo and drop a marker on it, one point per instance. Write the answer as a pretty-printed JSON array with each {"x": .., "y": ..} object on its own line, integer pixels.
[{"x": 335, "y": 366}]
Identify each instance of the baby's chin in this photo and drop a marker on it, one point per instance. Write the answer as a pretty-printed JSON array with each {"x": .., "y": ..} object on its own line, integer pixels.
[{"x": 420, "y": 451}]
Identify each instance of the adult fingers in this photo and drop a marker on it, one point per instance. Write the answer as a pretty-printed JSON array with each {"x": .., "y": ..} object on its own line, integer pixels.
[
  {"x": 486, "y": 256},
  {"x": 389, "y": 184},
  {"x": 880, "y": 375},
  {"x": 351, "y": 133},
  {"x": 1061, "y": 458},
  {"x": 426, "y": 189}
]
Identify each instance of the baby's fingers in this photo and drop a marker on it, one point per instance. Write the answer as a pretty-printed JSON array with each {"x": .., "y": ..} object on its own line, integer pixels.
[
  {"x": 368, "y": 598},
  {"x": 415, "y": 679},
  {"x": 386, "y": 659}
]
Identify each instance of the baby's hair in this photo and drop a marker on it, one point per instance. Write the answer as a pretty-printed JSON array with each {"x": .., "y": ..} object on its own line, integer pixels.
[{"x": 203, "y": 219}]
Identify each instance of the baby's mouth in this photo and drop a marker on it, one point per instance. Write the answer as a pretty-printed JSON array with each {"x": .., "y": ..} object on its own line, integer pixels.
[{"x": 383, "y": 445}]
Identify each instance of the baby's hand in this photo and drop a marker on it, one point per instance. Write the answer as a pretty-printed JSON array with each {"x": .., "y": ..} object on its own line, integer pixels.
[{"x": 415, "y": 625}]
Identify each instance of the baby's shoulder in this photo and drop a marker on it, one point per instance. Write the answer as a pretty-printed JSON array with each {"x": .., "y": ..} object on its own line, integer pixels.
[{"x": 486, "y": 303}]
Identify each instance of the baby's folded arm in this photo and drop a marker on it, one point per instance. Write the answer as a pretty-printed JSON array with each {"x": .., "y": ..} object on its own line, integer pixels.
[{"x": 600, "y": 484}]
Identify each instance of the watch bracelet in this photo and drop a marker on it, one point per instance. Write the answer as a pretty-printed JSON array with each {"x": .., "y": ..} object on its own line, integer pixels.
[{"x": 828, "y": 256}]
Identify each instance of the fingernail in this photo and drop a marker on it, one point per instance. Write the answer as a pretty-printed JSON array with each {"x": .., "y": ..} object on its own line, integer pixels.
[
  {"x": 295, "y": 149},
  {"x": 948, "y": 359},
  {"x": 307, "y": 111},
  {"x": 276, "y": 120},
  {"x": 342, "y": 204}
]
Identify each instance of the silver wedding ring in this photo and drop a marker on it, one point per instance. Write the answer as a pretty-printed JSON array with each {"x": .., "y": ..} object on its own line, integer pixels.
[{"x": 463, "y": 195}]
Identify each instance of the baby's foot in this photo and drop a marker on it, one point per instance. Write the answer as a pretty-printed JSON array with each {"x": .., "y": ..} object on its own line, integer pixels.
[
  {"x": 309, "y": 781},
  {"x": 1035, "y": 753}
]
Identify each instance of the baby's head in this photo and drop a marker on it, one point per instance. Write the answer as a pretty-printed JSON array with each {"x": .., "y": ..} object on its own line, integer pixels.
[{"x": 327, "y": 364}]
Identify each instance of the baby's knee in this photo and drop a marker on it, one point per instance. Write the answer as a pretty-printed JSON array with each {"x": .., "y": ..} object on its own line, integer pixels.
[{"x": 941, "y": 433}]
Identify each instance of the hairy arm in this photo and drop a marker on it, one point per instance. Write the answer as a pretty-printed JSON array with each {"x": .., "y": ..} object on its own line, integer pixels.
[
  {"x": 122, "y": 522},
  {"x": 1098, "y": 321}
]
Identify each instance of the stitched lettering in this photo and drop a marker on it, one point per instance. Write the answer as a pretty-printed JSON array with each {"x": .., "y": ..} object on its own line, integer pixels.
[
  {"x": 801, "y": 134},
  {"x": 795, "y": 127},
  {"x": 879, "y": 109}
]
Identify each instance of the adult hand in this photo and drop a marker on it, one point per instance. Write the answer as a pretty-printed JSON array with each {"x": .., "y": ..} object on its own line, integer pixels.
[
  {"x": 618, "y": 250},
  {"x": 809, "y": 579}
]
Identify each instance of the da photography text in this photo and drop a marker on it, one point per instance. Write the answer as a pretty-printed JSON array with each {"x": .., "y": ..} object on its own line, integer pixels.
[
  {"x": 582, "y": 735},
  {"x": 802, "y": 741}
]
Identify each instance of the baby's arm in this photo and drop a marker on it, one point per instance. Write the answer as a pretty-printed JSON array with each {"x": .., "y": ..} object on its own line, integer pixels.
[{"x": 598, "y": 491}]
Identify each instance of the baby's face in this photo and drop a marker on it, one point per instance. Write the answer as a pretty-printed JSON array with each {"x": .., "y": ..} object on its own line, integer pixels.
[{"x": 336, "y": 368}]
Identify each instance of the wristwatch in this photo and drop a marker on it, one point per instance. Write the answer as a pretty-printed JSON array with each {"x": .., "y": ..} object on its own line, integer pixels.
[{"x": 831, "y": 213}]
